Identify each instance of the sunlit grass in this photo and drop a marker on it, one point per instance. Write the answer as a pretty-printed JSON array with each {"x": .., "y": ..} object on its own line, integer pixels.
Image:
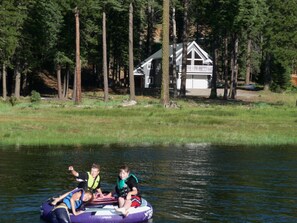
[
  {"x": 287, "y": 99},
  {"x": 54, "y": 122}
]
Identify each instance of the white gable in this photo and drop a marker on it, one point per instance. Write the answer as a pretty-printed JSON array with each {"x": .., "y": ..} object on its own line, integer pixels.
[{"x": 194, "y": 46}]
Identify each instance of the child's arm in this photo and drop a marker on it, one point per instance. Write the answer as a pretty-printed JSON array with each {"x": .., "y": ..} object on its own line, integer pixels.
[
  {"x": 72, "y": 202},
  {"x": 73, "y": 172},
  {"x": 133, "y": 192},
  {"x": 100, "y": 192},
  {"x": 111, "y": 193},
  {"x": 60, "y": 198}
]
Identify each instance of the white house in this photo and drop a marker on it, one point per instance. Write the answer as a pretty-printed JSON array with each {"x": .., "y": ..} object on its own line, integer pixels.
[{"x": 199, "y": 68}]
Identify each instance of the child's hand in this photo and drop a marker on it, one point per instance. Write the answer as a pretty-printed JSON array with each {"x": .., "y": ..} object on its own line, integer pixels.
[
  {"x": 99, "y": 195},
  {"x": 79, "y": 212},
  {"x": 128, "y": 197},
  {"x": 108, "y": 195}
]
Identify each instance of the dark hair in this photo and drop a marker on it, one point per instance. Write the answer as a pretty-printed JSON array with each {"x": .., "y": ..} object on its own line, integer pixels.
[
  {"x": 92, "y": 197},
  {"x": 125, "y": 167},
  {"x": 96, "y": 166}
]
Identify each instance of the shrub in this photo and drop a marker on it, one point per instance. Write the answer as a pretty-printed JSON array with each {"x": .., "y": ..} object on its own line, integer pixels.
[
  {"x": 35, "y": 97},
  {"x": 13, "y": 100}
]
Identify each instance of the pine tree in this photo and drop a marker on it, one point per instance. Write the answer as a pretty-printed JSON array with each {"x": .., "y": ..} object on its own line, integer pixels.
[
  {"x": 249, "y": 23},
  {"x": 131, "y": 55},
  {"x": 165, "y": 55},
  {"x": 281, "y": 42},
  {"x": 12, "y": 15},
  {"x": 185, "y": 49}
]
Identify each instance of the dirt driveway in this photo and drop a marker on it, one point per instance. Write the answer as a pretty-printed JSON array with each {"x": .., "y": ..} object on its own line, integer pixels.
[{"x": 241, "y": 94}]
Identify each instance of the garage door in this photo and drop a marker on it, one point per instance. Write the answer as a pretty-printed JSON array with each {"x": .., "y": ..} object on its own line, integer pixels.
[
  {"x": 189, "y": 82},
  {"x": 196, "y": 82},
  {"x": 199, "y": 82}
]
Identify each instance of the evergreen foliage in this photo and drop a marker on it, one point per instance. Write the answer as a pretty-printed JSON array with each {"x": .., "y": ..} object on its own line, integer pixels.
[
  {"x": 39, "y": 35},
  {"x": 281, "y": 36},
  {"x": 12, "y": 14}
]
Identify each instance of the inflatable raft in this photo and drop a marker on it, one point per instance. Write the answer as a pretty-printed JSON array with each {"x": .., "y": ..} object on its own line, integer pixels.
[{"x": 103, "y": 210}]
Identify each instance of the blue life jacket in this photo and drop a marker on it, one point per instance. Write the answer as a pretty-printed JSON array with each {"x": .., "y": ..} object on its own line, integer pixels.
[{"x": 78, "y": 203}]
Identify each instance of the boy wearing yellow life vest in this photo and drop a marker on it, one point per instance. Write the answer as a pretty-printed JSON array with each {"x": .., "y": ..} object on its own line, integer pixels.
[{"x": 88, "y": 180}]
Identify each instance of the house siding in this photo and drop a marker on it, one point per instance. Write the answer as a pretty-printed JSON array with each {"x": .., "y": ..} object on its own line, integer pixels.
[{"x": 198, "y": 76}]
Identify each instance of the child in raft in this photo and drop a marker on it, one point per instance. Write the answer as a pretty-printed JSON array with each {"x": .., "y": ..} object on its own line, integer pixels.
[
  {"x": 70, "y": 201},
  {"x": 88, "y": 181},
  {"x": 126, "y": 190}
]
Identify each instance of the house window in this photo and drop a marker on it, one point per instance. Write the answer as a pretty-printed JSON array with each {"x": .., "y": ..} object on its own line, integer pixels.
[
  {"x": 198, "y": 62},
  {"x": 193, "y": 58},
  {"x": 158, "y": 67},
  {"x": 189, "y": 58},
  {"x": 197, "y": 56},
  {"x": 149, "y": 66},
  {"x": 150, "y": 80}
]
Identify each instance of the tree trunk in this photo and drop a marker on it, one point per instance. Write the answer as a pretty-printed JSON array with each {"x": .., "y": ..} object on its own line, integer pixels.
[
  {"x": 174, "y": 74},
  {"x": 131, "y": 57},
  {"x": 4, "y": 86},
  {"x": 248, "y": 61},
  {"x": 25, "y": 83},
  {"x": 74, "y": 86},
  {"x": 226, "y": 68},
  {"x": 235, "y": 64},
  {"x": 17, "y": 75},
  {"x": 140, "y": 42},
  {"x": 66, "y": 82},
  {"x": 232, "y": 73},
  {"x": 78, "y": 62},
  {"x": 0, "y": 76},
  {"x": 165, "y": 55},
  {"x": 58, "y": 71},
  {"x": 65, "y": 85},
  {"x": 267, "y": 73},
  {"x": 150, "y": 28},
  {"x": 184, "y": 51},
  {"x": 126, "y": 76},
  {"x": 213, "y": 92},
  {"x": 105, "y": 76}
]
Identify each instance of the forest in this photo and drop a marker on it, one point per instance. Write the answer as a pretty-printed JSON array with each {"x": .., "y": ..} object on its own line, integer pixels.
[{"x": 251, "y": 41}]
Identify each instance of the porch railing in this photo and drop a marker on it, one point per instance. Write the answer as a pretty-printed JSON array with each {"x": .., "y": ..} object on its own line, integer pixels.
[{"x": 197, "y": 68}]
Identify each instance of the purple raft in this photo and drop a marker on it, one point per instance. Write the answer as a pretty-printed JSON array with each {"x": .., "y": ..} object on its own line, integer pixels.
[{"x": 103, "y": 210}]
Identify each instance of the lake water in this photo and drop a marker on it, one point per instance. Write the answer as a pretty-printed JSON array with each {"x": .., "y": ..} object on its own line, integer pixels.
[{"x": 194, "y": 183}]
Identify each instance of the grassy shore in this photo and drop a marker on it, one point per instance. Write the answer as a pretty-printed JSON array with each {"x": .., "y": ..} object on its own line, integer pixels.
[{"x": 267, "y": 119}]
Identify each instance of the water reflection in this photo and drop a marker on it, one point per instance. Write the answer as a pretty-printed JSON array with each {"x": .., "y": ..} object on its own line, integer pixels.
[{"x": 194, "y": 183}]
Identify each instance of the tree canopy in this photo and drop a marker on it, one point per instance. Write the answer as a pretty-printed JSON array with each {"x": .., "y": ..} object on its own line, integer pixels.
[{"x": 36, "y": 35}]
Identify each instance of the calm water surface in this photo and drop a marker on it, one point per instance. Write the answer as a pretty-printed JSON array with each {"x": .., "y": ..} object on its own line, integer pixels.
[{"x": 198, "y": 183}]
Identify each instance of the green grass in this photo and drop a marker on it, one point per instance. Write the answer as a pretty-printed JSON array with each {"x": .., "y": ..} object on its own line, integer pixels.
[{"x": 52, "y": 122}]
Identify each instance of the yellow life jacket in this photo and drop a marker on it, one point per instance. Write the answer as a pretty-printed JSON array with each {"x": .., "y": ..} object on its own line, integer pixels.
[{"x": 93, "y": 183}]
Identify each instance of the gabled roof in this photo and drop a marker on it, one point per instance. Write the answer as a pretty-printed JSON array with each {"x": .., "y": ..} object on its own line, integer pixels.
[
  {"x": 158, "y": 54},
  {"x": 179, "y": 46},
  {"x": 205, "y": 56}
]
